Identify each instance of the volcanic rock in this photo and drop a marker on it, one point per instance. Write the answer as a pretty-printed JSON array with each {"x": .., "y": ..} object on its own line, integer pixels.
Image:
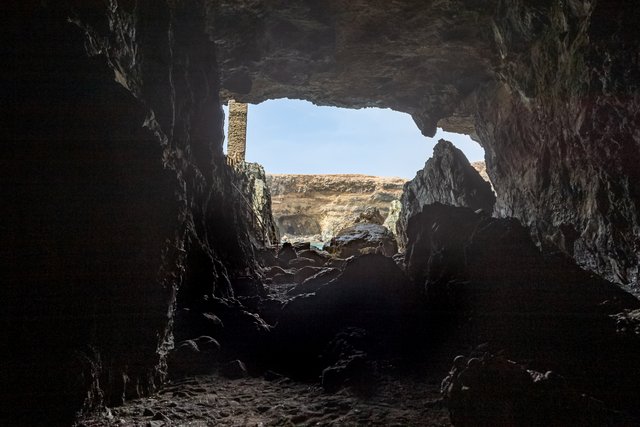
[{"x": 447, "y": 178}]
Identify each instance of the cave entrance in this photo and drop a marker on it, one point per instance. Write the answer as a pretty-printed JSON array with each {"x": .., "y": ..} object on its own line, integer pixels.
[{"x": 329, "y": 166}]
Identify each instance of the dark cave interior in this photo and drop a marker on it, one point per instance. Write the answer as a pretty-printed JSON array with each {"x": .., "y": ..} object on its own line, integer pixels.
[{"x": 123, "y": 234}]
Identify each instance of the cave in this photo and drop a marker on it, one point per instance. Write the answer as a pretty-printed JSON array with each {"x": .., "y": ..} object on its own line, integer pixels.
[{"x": 125, "y": 233}]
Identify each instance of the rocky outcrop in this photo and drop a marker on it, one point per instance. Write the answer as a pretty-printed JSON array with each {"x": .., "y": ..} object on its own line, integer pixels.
[
  {"x": 317, "y": 207},
  {"x": 250, "y": 188},
  {"x": 447, "y": 178}
]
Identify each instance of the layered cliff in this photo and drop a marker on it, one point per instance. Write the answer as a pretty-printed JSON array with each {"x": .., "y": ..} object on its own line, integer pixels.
[{"x": 317, "y": 207}]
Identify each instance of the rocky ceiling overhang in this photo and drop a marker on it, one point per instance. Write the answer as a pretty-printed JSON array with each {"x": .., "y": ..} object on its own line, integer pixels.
[{"x": 549, "y": 89}]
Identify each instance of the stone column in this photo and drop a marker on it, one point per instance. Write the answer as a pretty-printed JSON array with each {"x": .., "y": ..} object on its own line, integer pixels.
[{"x": 237, "y": 142}]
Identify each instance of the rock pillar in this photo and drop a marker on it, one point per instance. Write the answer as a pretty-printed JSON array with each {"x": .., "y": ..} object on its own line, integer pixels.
[{"x": 237, "y": 144}]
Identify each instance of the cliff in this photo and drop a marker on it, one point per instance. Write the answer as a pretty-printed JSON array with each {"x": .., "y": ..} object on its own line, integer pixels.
[{"x": 317, "y": 207}]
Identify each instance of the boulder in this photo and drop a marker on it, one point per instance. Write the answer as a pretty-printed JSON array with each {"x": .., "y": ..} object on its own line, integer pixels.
[{"x": 363, "y": 238}]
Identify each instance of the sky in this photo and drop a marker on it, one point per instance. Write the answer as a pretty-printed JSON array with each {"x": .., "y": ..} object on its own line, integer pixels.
[{"x": 297, "y": 137}]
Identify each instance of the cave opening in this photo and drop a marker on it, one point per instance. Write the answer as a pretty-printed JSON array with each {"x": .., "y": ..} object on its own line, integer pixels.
[{"x": 144, "y": 286}]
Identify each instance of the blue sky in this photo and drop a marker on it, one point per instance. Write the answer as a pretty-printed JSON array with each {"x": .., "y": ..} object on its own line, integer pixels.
[{"x": 293, "y": 136}]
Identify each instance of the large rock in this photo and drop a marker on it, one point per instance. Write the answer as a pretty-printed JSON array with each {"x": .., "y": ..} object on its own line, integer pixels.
[
  {"x": 491, "y": 264},
  {"x": 447, "y": 178},
  {"x": 371, "y": 293},
  {"x": 363, "y": 238}
]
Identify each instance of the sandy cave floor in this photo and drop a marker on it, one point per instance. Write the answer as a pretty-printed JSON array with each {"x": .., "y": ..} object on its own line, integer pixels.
[{"x": 399, "y": 399}]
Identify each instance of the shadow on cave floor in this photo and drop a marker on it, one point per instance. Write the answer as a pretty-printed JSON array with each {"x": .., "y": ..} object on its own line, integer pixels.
[{"x": 472, "y": 326}]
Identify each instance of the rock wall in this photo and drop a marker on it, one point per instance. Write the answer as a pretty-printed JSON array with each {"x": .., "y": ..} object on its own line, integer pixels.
[
  {"x": 447, "y": 178},
  {"x": 559, "y": 129},
  {"x": 116, "y": 195},
  {"x": 250, "y": 185},
  {"x": 317, "y": 207}
]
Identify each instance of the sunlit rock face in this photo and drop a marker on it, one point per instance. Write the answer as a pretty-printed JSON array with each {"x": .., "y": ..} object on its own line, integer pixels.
[
  {"x": 550, "y": 90},
  {"x": 318, "y": 207},
  {"x": 446, "y": 178}
]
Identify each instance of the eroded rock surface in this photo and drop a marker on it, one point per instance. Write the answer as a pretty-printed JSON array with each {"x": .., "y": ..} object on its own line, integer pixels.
[{"x": 317, "y": 207}]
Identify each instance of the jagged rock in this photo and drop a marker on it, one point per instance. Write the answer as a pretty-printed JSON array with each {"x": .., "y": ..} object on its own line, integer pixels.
[
  {"x": 274, "y": 271},
  {"x": 348, "y": 361},
  {"x": 320, "y": 206},
  {"x": 363, "y": 238},
  {"x": 250, "y": 187},
  {"x": 447, "y": 178}
]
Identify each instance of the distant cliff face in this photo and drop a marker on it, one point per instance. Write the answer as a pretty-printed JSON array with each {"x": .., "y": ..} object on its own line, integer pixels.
[{"x": 317, "y": 207}]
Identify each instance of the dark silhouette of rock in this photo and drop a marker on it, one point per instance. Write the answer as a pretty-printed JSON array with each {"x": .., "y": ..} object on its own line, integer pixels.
[
  {"x": 493, "y": 391},
  {"x": 447, "y": 178},
  {"x": 313, "y": 283},
  {"x": 286, "y": 254},
  {"x": 371, "y": 293}
]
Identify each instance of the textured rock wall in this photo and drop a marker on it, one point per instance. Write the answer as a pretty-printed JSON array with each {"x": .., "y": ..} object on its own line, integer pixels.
[
  {"x": 550, "y": 89},
  {"x": 560, "y": 129},
  {"x": 250, "y": 185},
  {"x": 317, "y": 207},
  {"x": 116, "y": 194}
]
